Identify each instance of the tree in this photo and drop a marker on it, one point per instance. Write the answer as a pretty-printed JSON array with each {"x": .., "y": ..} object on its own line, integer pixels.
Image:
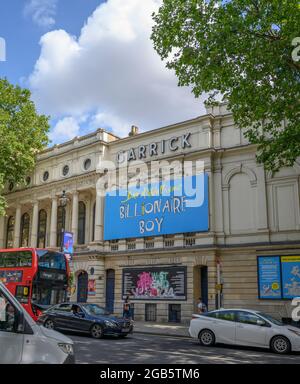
[
  {"x": 23, "y": 133},
  {"x": 241, "y": 49}
]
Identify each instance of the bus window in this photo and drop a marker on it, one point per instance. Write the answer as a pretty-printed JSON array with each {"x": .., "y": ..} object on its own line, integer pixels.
[
  {"x": 22, "y": 294},
  {"x": 51, "y": 260},
  {"x": 15, "y": 259}
]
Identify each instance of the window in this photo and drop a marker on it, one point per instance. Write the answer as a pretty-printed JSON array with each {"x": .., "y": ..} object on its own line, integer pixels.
[
  {"x": 174, "y": 313},
  {"x": 22, "y": 293},
  {"x": 150, "y": 312},
  {"x": 64, "y": 307},
  {"x": 248, "y": 318},
  {"x": 49, "y": 259},
  {"x": 81, "y": 223},
  {"x": 226, "y": 315},
  {"x": 10, "y": 232},
  {"x": 42, "y": 229},
  {"x": 61, "y": 220},
  {"x": 25, "y": 228},
  {"x": 87, "y": 164},
  {"x": 46, "y": 176},
  {"x": 66, "y": 170},
  {"x": 8, "y": 315},
  {"x": 15, "y": 259}
]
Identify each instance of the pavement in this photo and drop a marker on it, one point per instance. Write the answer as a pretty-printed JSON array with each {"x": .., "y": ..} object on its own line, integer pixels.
[{"x": 163, "y": 329}]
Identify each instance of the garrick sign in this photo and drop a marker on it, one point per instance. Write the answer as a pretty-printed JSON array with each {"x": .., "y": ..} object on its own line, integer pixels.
[{"x": 155, "y": 149}]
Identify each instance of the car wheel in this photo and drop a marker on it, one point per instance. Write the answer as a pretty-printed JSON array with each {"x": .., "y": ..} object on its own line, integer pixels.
[
  {"x": 280, "y": 344},
  {"x": 207, "y": 338},
  {"x": 49, "y": 324},
  {"x": 97, "y": 331}
]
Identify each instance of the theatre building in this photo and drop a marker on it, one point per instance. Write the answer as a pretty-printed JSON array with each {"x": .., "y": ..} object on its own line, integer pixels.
[{"x": 239, "y": 248}]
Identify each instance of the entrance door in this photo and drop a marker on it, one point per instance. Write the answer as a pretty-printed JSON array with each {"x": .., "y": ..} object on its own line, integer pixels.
[
  {"x": 110, "y": 290},
  {"x": 82, "y": 287}
]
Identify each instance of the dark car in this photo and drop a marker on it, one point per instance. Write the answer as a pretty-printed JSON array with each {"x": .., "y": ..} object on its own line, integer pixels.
[{"x": 88, "y": 318}]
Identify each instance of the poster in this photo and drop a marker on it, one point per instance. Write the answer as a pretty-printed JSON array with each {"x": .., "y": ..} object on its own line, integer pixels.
[
  {"x": 155, "y": 283},
  {"x": 92, "y": 287},
  {"x": 269, "y": 277},
  {"x": 11, "y": 276},
  {"x": 290, "y": 276},
  {"x": 167, "y": 207},
  {"x": 68, "y": 245}
]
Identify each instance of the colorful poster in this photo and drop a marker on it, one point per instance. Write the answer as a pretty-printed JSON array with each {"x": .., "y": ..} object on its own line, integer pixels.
[
  {"x": 92, "y": 287},
  {"x": 155, "y": 283},
  {"x": 68, "y": 245},
  {"x": 290, "y": 276},
  {"x": 269, "y": 277},
  {"x": 167, "y": 207},
  {"x": 11, "y": 276}
]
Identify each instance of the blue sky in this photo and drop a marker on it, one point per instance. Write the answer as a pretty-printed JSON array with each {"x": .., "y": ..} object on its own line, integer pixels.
[{"x": 91, "y": 64}]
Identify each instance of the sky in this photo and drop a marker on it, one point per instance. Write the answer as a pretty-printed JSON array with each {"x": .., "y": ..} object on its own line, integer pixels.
[{"x": 91, "y": 64}]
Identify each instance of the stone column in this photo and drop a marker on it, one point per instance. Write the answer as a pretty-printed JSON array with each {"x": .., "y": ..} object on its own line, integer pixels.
[
  {"x": 99, "y": 218},
  {"x": 2, "y": 231},
  {"x": 35, "y": 223},
  {"x": 53, "y": 225},
  {"x": 17, "y": 230},
  {"x": 75, "y": 216}
]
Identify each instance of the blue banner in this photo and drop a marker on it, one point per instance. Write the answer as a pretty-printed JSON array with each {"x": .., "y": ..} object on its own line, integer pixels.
[
  {"x": 269, "y": 277},
  {"x": 167, "y": 207},
  {"x": 68, "y": 244},
  {"x": 290, "y": 276}
]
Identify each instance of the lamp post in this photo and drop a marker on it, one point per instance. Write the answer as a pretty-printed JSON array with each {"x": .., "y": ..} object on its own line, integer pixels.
[{"x": 63, "y": 201}]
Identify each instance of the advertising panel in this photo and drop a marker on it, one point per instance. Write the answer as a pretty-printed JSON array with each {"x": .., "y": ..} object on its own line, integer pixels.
[
  {"x": 155, "y": 283},
  {"x": 68, "y": 245},
  {"x": 269, "y": 277},
  {"x": 290, "y": 276},
  {"x": 167, "y": 207}
]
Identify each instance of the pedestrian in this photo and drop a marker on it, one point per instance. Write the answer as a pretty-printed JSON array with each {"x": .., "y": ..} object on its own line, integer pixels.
[
  {"x": 127, "y": 308},
  {"x": 202, "y": 308}
]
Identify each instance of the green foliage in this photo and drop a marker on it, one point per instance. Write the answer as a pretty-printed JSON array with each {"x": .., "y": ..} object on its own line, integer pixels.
[
  {"x": 23, "y": 133},
  {"x": 241, "y": 49}
]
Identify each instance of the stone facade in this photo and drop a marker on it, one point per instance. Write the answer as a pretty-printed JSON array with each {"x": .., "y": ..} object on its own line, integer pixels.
[{"x": 251, "y": 212}]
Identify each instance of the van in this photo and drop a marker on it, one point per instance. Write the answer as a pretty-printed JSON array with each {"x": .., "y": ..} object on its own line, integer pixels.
[{"x": 22, "y": 341}]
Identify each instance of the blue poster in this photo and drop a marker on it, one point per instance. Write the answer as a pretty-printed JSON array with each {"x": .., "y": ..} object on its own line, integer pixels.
[
  {"x": 68, "y": 244},
  {"x": 290, "y": 276},
  {"x": 167, "y": 207},
  {"x": 269, "y": 277}
]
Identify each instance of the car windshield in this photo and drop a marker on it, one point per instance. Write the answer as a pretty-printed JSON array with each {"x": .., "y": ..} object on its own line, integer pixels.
[
  {"x": 270, "y": 318},
  {"x": 94, "y": 309}
]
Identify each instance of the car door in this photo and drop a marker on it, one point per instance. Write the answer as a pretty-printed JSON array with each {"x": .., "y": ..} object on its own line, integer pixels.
[
  {"x": 61, "y": 315},
  {"x": 250, "y": 329},
  {"x": 225, "y": 326},
  {"x": 11, "y": 342},
  {"x": 79, "y": 321}
]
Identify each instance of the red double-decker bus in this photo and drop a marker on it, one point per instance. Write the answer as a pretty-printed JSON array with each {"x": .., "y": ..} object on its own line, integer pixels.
[{"x": 38, "y": 278}]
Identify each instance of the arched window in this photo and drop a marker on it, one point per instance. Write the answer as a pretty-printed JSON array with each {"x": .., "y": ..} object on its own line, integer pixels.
[
  {"x": 42, "y": 229},
  {"x": 25, "y": 228},
  {"x": 10, "y": 232},
  {"x": 81, "y": 222},
  {"x": 94, "y": 222},
  {"x": 61, "y": 221}
]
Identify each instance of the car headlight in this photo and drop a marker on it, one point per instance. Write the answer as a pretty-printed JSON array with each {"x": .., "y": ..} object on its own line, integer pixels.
[
  {"x": 66, "y": 348},
  {"x": 110, "y": 324},
  {"x": 295, "y": 332}
]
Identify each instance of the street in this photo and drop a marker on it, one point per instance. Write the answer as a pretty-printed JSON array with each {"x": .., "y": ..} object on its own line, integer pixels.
[{"x": 152, "y": 349}]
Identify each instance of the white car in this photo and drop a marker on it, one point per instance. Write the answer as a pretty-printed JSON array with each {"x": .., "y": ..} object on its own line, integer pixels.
[
  {"x": 244, "y": 327},
  {"x": 22, "y": 341}
]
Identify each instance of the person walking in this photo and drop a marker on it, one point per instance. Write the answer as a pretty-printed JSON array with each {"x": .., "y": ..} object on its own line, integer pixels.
[
  {"x": 127, "y": 308},
  {"x": 202, "y": 308}
]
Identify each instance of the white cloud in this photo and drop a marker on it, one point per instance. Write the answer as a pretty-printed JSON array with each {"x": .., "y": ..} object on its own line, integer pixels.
[
  {"x": 64, "y": 130},
  {"x": 42, "y": 12},
  {"x": 111, "y": 71}
]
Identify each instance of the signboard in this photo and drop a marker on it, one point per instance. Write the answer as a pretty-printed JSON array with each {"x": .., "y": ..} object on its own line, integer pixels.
[
  {"x": 11, "y": 276},
  {"x": 68, "y": 248},
  {"x": 155, "y": 283},
  {"x": 269, "y": 277},
  {"x": 92, "y": 287},
  {"x": 278, "y": 277},
  {"x": 290, "y": 276},
  {"x": 167, "y": 207}
]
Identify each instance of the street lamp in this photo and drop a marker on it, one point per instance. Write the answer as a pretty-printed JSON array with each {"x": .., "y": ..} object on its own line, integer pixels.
[{"x": 63, "y": 201}]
